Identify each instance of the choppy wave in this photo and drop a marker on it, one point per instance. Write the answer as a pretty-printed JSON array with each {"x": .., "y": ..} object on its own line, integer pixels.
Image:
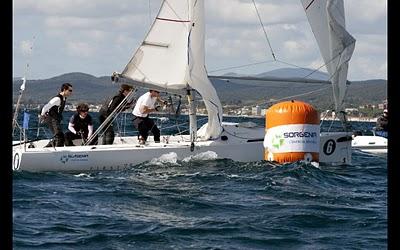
[{"x": 205, "y": 203}]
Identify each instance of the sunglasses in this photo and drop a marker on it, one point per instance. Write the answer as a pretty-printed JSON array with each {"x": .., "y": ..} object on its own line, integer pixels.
[
  {"x": 70, "y": 90},
  {"x": 84, "y": 110}
]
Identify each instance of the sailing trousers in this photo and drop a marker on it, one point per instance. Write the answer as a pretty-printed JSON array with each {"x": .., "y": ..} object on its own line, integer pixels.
[
  {"x": 144, "y": 125},
  {"x": 108, "y": 135},
  {"x": 55, "y": 128}
]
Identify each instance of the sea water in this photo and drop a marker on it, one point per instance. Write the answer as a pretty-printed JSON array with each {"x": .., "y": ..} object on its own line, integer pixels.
[{"x": 203, "y": 202}]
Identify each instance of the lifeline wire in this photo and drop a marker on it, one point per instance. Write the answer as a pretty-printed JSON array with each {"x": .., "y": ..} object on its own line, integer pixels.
[{"x": 265, "y": 32}]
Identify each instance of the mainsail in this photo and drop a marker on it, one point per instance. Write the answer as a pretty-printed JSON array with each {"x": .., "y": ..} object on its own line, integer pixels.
[
  {"x": 171, "y": 58},
  {"x": 336, "y": 45}
]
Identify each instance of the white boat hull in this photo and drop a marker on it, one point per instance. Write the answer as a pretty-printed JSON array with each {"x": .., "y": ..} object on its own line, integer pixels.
[
  {"x": 335, "y": 148},
  {"x": 118, "y": 157},
  {"x": 370, "y": 144},
  {"x": 241, "y": 144}
]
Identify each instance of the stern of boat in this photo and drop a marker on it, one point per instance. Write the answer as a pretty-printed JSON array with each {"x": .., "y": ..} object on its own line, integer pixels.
[{"x": 335, "y": 148}]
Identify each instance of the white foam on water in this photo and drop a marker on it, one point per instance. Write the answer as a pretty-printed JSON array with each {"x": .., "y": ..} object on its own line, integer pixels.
[
  {"x": 315, "y": 164},
  {"x": 204, "y": 156},
  {"x": 288, "y": 180},
  {"x": 83, "y": 175},
  {"x": 171, "y": 158}
]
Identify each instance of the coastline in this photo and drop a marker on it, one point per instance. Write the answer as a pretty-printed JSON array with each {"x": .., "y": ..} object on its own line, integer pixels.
[
  {"x": 351, "y": 119},
  {"x": 354, "y": 119}
]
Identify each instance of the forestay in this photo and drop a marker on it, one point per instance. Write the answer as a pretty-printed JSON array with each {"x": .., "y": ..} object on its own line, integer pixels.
[
  {"x": 336, "y": 45},
  {"x": 172, "y": 57}
]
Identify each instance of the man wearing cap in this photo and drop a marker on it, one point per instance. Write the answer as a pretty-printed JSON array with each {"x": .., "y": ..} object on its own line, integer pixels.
[
  {"x": 108, "y": 107},
  {"x": 382, "y": 124},
  {"x": 141, "y": 120}
]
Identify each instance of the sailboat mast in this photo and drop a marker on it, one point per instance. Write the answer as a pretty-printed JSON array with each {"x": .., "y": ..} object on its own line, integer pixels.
[
  {"x": 190, "y": 92},
  {"x": 192, "y": 118},
  {"x": 14, "y": 122}
]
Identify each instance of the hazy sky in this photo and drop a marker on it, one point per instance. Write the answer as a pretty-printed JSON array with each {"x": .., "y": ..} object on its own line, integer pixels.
[{"x": 99, "y": 37}]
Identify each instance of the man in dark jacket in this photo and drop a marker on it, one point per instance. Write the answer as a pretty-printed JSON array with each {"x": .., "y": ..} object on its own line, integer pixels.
[
  {"x": 108, "y": 107},
  {"x": 382, "y": 124},
  {"x": 80, "y": 125},
  {"x": 51, "y": 114}
]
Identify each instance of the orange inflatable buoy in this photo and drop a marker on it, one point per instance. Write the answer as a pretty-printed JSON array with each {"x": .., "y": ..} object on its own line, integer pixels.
[{"x": 292, "y": 132}]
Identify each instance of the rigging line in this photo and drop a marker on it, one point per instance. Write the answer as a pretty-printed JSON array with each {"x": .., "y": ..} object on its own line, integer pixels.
[
  {"x": 181, "y": 132},
  {"x": 175, "y": 112},
  {"x": 309, "y": 74},
  {"x": 175, "y": 125},
  {"x": 111, "y": 117},
  {"x": 312, "y": 72},
  {"x": 102, "y": 128},
  {"x": 149, "y": 12},
  {"x": 30, "y": 53},
  {"x": 300, "y": 67},
  {"x": 303, "y": 94},
  {"x": 332, "y": 121},
  {"x": 172, "y": 9},
  {"x": 324, "y": 118},
  {"x": 237, "y": 135},
  {"x": 121, "y": 124},
  {"x": 309, "y": 4},
  {"x": 325, "y": 64},
  {"x": 265, "y": 32},
  {"x": 306, "y": 76},
  {"x": 241, "y": 66},
  {"x": 22, "y": 88}
]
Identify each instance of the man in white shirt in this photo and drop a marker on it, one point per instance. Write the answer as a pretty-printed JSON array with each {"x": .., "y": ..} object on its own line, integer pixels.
[
  {"x": 51, "y": 114},
  {"x": 141, "y": 120}
]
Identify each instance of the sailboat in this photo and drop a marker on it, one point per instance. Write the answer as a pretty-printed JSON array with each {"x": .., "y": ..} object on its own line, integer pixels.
[
  {"x": 370, "y": 144},
  {"x": 368, "y": 141},
  {"x": 171, "y": 59}
]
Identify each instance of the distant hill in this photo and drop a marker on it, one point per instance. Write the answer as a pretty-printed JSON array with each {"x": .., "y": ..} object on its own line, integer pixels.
[
  {"x": 245, "y": 91},
  {"x": 95, "y": 90},
  {"x": 296, "y": 72},
  {"x": 87, "y": 88}
]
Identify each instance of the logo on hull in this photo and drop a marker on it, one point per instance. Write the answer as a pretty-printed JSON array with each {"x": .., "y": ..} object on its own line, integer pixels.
[{"x": 74, "y": 157}]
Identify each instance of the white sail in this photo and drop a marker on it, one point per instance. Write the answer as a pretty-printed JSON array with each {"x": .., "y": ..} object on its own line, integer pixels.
[
  {"x": 336, "y": 45},
  {"x": 197, "y": 74},
  {"x": 161, "y": 59},
  {"x": 172, "y": 57}
]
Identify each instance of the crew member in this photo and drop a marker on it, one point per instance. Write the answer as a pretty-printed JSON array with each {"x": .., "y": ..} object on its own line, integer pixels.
[
  {"x": 80, "y": 125},
  {"x": 382, "y": 124},
  {"x": 141, "y": 120},
  {"x": 51, "y": 114},
  {"x": 108, "y": 107}
]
